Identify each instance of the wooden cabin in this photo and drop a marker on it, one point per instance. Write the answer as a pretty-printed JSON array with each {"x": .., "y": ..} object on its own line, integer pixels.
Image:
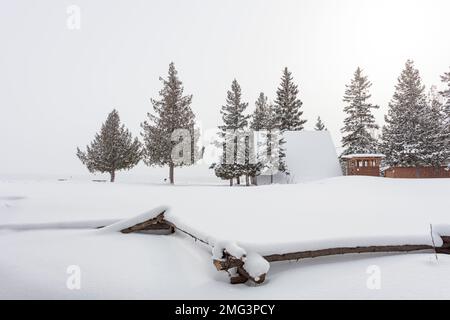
[{"x": 360, "y": 164}]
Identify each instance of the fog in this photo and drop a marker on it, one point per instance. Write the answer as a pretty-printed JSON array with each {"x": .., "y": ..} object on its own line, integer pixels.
[{"x": 59, "y": 80}]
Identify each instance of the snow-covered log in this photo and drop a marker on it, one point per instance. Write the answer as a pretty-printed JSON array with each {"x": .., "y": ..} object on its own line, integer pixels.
[
  {"x": 150, "y": 221},
  {"x": 443, "y": 230},
  {"x": 155, "y": 224},
  {"x": 252, "y": 266},
  {"x": 345, "y": 250},
  {"x": 244, "y": 265}
]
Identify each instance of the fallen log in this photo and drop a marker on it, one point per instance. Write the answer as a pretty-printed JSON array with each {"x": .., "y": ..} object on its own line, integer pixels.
[
  {"x": 159, "y": 225},
  {"x": 229, "y": 262},
  {"x": 445, "y": 248},
  {"x": 237, "y": 266},
  {"x": 344, "y": 250},
  {"x": 155, "y": 224}
]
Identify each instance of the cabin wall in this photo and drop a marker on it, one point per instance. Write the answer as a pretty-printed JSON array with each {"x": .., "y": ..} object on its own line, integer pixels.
[
  {"x": 417, "y": 172},
  {"x": 363, "y": 167}
]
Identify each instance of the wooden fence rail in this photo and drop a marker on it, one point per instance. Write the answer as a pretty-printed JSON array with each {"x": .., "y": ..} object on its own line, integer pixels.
[{"x": 237, "y": 265}]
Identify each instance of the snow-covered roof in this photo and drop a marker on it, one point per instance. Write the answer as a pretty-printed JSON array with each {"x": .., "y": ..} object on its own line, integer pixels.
[
  {"x": 363, "y": 155},
  {"x": 310, "y": 155}
]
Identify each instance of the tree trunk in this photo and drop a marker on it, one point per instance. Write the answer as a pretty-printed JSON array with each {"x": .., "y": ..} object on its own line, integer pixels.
[
  {"x": 247, "y": 181},
  {"x": 113, "y": 176},
  {"x": 271, "y": 179},
  {"x": 238, "y": 180},
  {"x": 231, "y": 182},
  {"x": 171, "y": 177}
]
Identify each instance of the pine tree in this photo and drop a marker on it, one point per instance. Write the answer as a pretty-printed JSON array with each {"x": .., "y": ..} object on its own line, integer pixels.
[
  {"x": 446, "y": 111},
  {"x": 436, "y": 148},
  {"x": 259, "y": 117},
  {"x": 112, "y": 149},
  {"x": 446, "y": 95},
  {"x": 267, "y": 153},
  {"x": 274, "y": 152},
  {"x": 231, "y": 133},
  {"x": 172, "y": 112},
  {"x": 233, "y": 111},
  {"x": 319, "y": 125},
  {"x": 404, "y": 135},
  {"x": 288, "y": 104},
  {"x": 359, "y": 121}
]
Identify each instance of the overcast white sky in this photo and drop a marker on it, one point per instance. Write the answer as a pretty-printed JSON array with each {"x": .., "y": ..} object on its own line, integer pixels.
[{"x": 57, "y": 85}]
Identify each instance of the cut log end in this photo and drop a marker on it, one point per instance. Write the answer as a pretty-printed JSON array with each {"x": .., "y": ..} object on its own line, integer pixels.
[{"x": 242, "y": 276}]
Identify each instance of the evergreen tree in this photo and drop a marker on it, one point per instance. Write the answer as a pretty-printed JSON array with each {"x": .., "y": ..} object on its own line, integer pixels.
[
  {"x": 404, "y": 135},
  {"x": 267, "y": 147},
  {"x": 231, "y": 133},
  {"x": 436, "y": 148},
  {"x": 233, "y": 111},
  {"x": 446, "y": 111},
  {"x": 359, "y": 121},
  {"x": 274, "y": 152},
  {"x": 288, "y": 104},
  {"x": 259, "y": 118},
  {"x": 446, "y": 95},
  {"x": 319, "y": 125},
  {"x": 112, "y": 149},
  {"x": 172, "y": 112}
]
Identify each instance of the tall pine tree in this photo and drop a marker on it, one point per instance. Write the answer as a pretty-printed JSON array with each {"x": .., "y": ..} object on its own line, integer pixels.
[
  {"x": 405, "y": 133},
  {"x": 436, "y": 148},
  {"x": 259, "y": 117},
  {"x": 446, "y": 109},
  {"x": 359, "y": 122},
  {"x": 274, "y": 152},
  {"x": 112, "y": 149},
  {"x": 232, "y": 135},
  {"x": 446, "y": 95},
  {"x": 288, "y": 104},
  {"x": 172, "y": 111}
]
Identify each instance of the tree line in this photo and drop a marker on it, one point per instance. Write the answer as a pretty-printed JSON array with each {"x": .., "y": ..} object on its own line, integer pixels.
[
  {"x": 417, "y": 126},
  {"x": 241, "y": 155},
  {"x": 417, "y": 129},
  {"x": 172, "y": 124}
]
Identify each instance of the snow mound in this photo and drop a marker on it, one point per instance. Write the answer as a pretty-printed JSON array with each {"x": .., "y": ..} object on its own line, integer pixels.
[
  {"x": 230, "y": 247},
  {"x": 256, "y": 265}
]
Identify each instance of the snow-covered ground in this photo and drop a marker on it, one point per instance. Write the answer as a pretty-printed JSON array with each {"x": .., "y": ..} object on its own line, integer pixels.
[{"x": 38, "y": 242}]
